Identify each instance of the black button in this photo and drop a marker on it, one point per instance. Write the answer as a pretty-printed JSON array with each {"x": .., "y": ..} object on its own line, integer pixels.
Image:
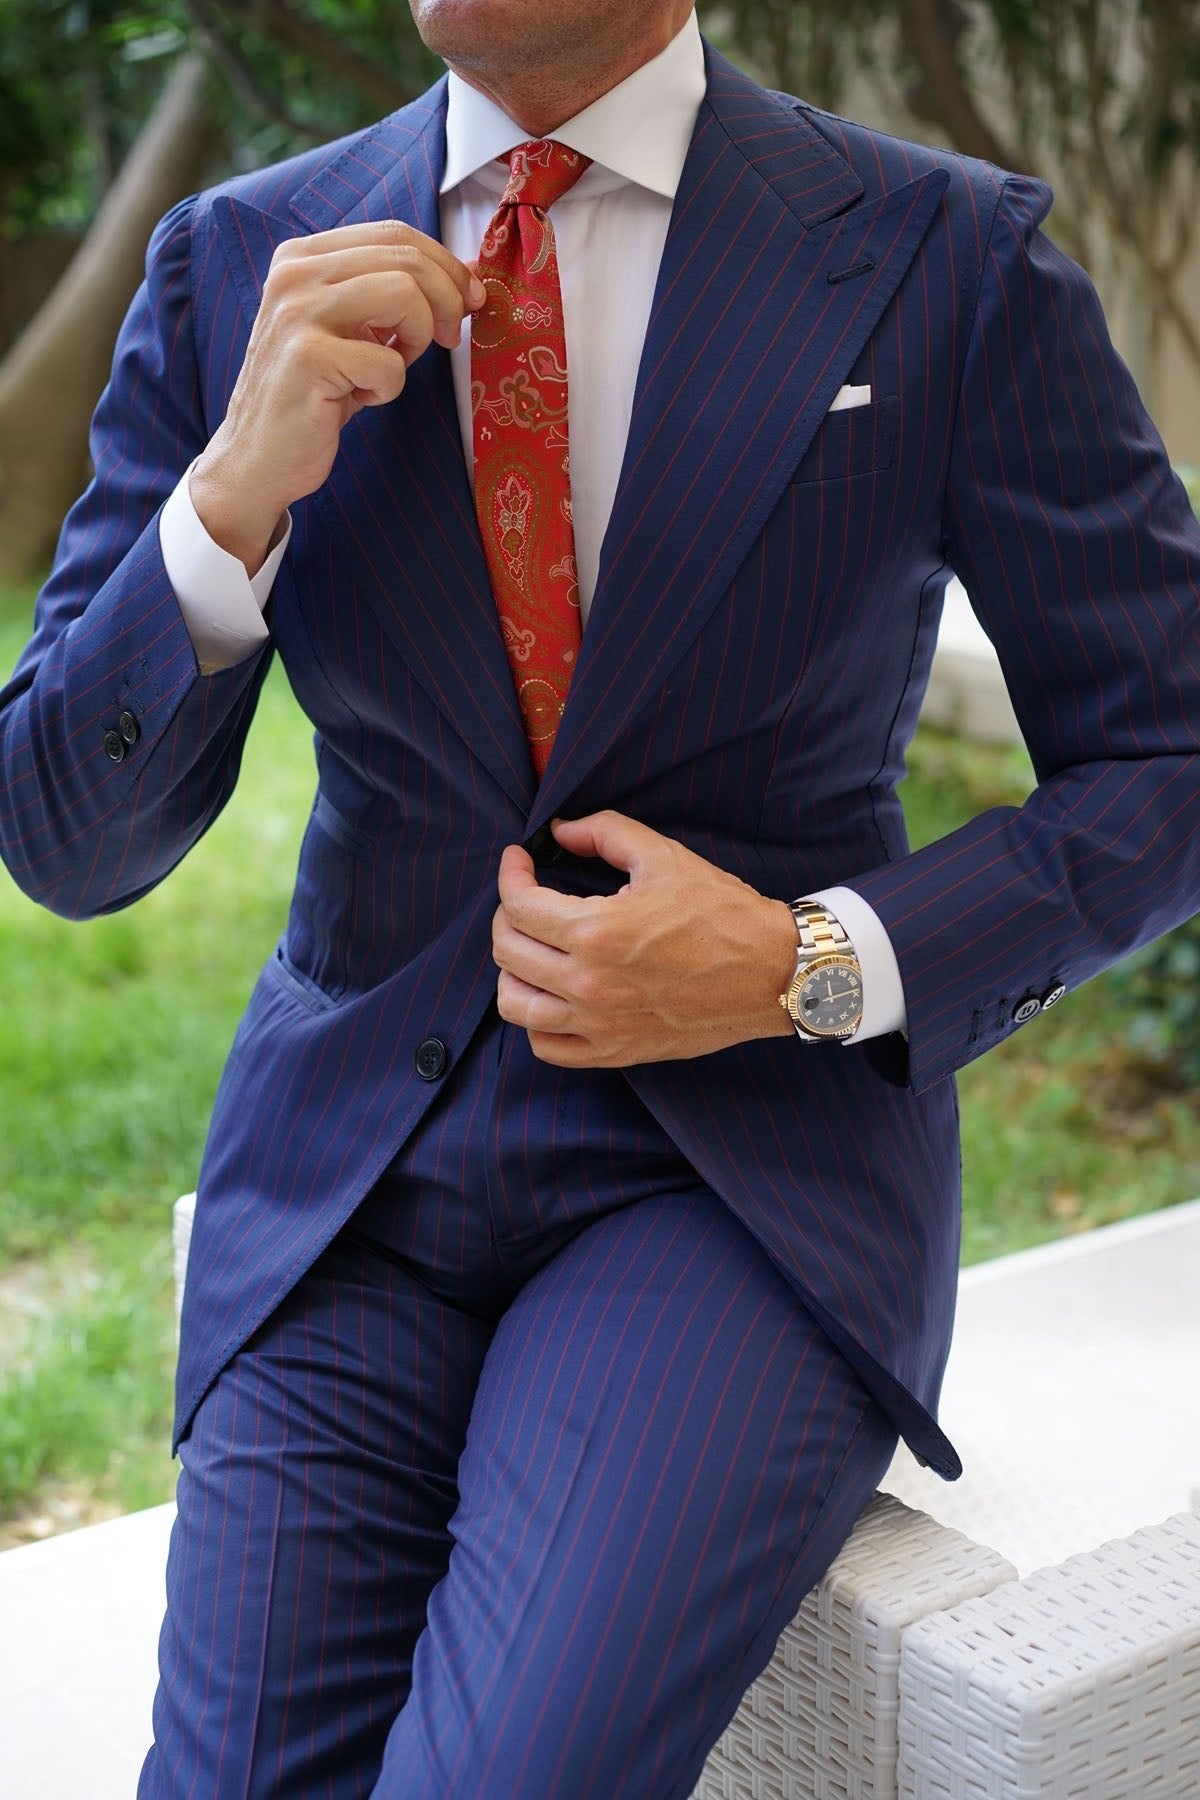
[
  {"x": 544, "y": 848},
  {"x": 129, "y": 728},
  {"x": 1026, "y": 1008},
  {"x": 431, "y": 1059},
  {"x": 1053, "y": 995},
  {"x": 114, "y": 746}
]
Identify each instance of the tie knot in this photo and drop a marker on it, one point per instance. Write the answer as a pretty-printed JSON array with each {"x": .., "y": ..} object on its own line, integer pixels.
[{"x": 540, "y": 172}]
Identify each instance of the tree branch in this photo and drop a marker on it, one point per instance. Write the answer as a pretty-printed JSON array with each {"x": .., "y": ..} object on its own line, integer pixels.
[
  {"x": 217, "y": 40},
  {"x": 942, "y": 95},
  {"x": 322, "y": 47}
]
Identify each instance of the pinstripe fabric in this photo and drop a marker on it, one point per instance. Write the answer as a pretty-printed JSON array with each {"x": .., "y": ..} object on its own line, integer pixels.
[
  {"x": 756, "y": 652},
  {"x": 540, "y": 1456}
]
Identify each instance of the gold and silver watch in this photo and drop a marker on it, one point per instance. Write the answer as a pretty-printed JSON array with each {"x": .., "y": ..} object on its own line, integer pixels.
[{"x": 824, "y": 997}]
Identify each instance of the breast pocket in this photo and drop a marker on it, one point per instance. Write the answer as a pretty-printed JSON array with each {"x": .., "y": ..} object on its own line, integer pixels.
[{"x": 857, "y": 440}]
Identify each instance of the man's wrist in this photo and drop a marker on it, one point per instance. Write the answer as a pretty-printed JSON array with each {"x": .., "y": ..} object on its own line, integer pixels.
[
  {"x": 780, "y": 960},
  {"x": 233, "y": 522}
]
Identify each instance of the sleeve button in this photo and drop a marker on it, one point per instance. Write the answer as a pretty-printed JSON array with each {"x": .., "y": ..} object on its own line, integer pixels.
[
  {"x": 129, "y": 728},
  {"x": 431, "y": 1059},
  {"x": 114, "y": 746},
  {"x": 1026, "y": 1009},
  {"x": 1053, "y": 995}
]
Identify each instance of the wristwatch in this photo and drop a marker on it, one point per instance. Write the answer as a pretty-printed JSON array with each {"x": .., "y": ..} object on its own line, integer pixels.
[{"x": 824, "y": 997}]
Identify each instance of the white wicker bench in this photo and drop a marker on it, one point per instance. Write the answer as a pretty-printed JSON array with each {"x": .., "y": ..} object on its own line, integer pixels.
[
  {"x": 1081, "y": 1682},
  {"x": 822, "y": 1720}
]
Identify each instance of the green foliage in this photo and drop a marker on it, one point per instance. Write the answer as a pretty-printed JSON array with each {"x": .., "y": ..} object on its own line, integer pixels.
[
  {"x": 76, "y": 82},
  {"x": 78, "y": 79},
  {"x": 1159, "y": 990}
]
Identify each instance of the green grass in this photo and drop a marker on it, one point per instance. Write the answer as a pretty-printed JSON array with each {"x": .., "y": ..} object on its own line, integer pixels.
[{"x": 112, "y": 1036}]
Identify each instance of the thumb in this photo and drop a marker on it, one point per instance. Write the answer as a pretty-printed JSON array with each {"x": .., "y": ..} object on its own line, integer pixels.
[{"x": 618, "y": 840}]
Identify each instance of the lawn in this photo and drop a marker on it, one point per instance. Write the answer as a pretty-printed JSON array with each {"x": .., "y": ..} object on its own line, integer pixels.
[{"x": 112, "y": 1035}]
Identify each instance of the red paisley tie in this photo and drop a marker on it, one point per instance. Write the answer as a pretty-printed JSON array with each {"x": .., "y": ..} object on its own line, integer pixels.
[{"x": 522, "y": 468}]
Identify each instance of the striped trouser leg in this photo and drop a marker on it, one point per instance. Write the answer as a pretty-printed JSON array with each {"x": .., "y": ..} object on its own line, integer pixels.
[{"x": 663, "y": 1456}]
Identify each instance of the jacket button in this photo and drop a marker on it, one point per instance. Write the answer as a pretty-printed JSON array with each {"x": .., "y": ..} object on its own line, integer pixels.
[
  {"x": 544, "y": 848},
  {"x": 431, "y": 1059},
  {"x": 114, "y": 746},
  {"x": 129, "y": 728},
  {"x": 1026, "y": 1008},
  {"x": 1053, "y": 995}
]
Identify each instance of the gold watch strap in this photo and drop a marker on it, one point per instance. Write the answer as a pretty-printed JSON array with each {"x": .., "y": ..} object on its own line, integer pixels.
[{"x": 818, "y": 931}]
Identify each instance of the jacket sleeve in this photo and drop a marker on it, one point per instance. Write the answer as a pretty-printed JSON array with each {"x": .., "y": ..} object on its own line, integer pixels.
[
  {"x": 116, "y": 753},
  {"x": 1081, "y": 556}
]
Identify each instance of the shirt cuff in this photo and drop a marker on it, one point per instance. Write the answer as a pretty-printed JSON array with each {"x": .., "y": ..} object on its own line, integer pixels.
[
  {"x": 222, "y": 606},
  {"x": 883, "y": 991}
]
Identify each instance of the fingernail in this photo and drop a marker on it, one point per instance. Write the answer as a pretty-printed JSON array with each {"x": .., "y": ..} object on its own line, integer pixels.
[{"x": 478, "y": 291}]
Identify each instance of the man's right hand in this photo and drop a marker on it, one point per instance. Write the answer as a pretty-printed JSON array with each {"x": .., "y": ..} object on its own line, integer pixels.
[{"x": 343, "y": 314}]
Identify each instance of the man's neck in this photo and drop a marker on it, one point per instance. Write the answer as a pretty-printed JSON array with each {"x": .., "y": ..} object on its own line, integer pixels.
[{"x": 540, "y": 99}]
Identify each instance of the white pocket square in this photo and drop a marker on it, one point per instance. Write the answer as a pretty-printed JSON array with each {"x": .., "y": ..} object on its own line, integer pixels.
[{"x": 851, "y": 396}]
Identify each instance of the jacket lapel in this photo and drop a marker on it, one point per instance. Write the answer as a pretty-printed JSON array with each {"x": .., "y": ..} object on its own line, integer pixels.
[
  {"x": 399, "y": 497},
  {"x": 774, "y": 274},
  {"x": 771, "y": 281}
]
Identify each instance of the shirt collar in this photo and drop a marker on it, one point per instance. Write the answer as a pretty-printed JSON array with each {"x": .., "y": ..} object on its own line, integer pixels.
[{"x": 640, "y": 129}]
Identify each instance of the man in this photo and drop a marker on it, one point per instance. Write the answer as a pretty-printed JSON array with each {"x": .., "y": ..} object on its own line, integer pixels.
[{"x": 556, "y": 1295}]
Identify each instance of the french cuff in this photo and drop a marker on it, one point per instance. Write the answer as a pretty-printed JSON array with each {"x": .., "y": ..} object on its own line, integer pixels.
[
  {"x": 883, "y": 991},
  {"x": 222, "y": 606}
]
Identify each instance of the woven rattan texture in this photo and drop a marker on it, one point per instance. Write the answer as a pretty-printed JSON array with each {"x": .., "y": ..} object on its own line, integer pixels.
[
  {"x": 1081, "y": 1682},
  {"x": 820, "y": 1722}
]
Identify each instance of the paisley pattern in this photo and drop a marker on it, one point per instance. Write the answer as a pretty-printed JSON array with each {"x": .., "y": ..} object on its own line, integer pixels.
[{"x": 522, "y": 451}]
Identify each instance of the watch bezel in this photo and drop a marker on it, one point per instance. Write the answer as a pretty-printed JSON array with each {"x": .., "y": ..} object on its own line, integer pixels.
[{"x": 828, "y": 959}]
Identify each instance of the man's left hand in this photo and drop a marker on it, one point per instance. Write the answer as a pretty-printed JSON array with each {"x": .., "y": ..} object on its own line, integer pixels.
[{"x": 682, "y": 960}]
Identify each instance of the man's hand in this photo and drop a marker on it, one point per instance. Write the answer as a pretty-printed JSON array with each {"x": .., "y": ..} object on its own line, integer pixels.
[
  {"x": 683, "y": 960},
  {"x": 343, "y": 314}
]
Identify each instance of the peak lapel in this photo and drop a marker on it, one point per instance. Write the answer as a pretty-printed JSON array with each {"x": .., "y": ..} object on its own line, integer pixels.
[
  {"x": 399, "y": 497},
  {"x": 748, "y": 342}
]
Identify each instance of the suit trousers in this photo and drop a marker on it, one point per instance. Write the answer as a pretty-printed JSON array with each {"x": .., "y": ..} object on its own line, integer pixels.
[{"x": 514, "y": 1492}]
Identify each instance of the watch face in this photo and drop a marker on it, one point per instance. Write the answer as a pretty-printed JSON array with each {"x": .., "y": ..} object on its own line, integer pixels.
[{"x": 828, "y": 999}]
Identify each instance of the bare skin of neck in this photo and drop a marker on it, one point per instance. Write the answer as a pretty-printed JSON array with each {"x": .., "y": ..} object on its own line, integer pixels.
[{"x": 549, "y": 78}]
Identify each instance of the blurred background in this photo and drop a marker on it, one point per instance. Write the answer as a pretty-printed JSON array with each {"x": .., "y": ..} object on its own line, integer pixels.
[{"x": 112, "y": 1033}]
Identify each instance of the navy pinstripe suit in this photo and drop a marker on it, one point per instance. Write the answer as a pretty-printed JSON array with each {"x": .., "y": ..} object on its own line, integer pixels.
[{"x": 758, "y": 645}]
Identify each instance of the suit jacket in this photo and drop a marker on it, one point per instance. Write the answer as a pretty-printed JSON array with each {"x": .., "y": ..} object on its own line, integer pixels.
[{"x": 752, "y": 669}]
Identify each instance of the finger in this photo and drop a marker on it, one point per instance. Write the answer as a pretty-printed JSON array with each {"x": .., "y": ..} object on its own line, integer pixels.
[
  {"x": 538, "y": 912},
  {"x": 395, "y": 305},
  {"x": 518, "y": 872},
  {"x": 539, "y": 964},
  {"x": 361, "y": 290},
  {"x": 567, "y": 1051},
  {"x": 379, "y": 233},
  {"x": 370, "y": 373},
  {"x": 621, "y": 841},
  {"x": 521, "y": 1004}
]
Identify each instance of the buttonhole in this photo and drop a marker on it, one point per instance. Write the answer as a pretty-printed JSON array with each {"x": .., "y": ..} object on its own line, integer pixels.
[{"x": 858, "y": 268}]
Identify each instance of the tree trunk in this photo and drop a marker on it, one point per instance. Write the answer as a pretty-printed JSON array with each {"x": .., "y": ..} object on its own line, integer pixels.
[{"x": 51, "y": 378}]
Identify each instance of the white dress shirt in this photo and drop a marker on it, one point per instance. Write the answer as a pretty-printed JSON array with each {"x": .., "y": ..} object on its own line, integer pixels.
[{"x": 610, "y": 229}]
